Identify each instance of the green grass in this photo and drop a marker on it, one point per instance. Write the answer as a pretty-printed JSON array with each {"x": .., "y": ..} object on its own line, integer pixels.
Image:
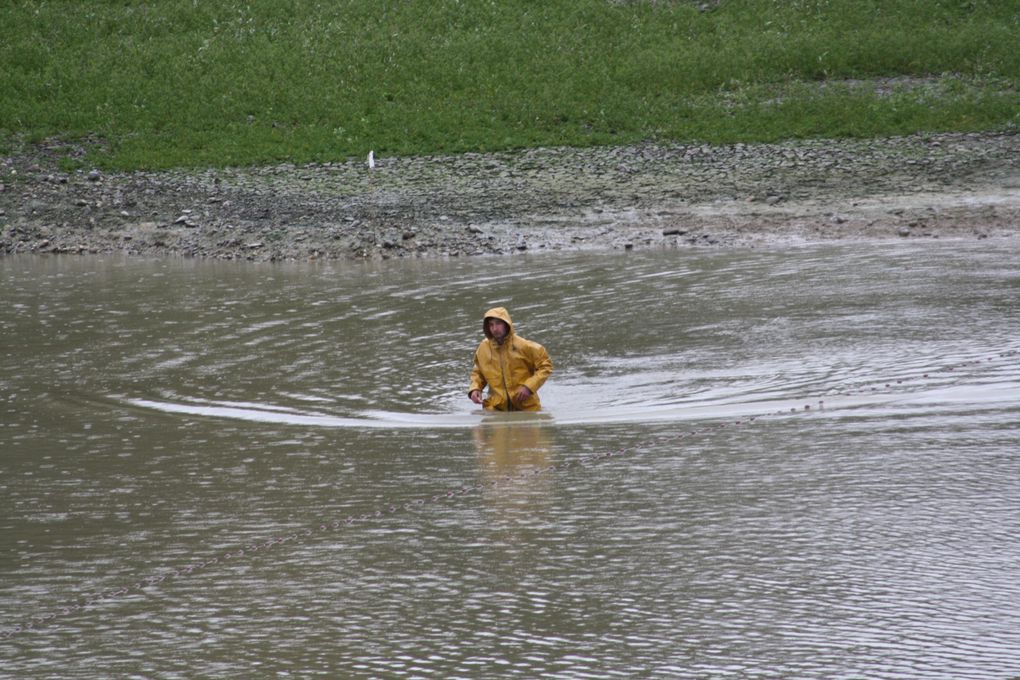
[{"x": 194, "y": 83}]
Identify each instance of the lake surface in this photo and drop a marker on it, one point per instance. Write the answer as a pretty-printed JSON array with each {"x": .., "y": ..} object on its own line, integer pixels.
[{"x": 801, "y": 462}]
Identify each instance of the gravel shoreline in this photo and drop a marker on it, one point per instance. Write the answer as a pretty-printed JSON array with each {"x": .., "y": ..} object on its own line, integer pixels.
[{"x": 635, "y": 197}]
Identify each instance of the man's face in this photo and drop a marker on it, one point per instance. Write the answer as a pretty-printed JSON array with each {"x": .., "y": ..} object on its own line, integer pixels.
[{"x": 498, "y": 328}]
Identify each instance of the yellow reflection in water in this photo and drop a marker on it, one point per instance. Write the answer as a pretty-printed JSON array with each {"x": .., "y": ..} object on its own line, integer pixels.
[{"x": 514, "y": 454}]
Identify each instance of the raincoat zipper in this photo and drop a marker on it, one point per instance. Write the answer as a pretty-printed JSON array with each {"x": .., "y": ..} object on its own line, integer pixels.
[{"x": 502, "y": 373}]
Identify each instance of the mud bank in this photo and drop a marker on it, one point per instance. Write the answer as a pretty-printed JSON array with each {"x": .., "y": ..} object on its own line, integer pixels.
[{"x": 635, "y": 197}]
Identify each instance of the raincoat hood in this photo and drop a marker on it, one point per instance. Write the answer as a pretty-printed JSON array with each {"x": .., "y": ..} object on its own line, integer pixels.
[{"x": 501, "y": 314}]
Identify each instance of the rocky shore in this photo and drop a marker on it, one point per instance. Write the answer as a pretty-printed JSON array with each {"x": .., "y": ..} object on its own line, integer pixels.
[{"x": 635, "y": 197}]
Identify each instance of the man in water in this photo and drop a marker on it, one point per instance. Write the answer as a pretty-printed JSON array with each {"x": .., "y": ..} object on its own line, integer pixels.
[{"x": 511, "y": 367}]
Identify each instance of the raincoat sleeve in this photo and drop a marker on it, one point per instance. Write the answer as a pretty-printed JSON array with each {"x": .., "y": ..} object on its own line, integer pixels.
[
  {"x": 478, "y": 381},
  {"x": 541, "y": 366}
]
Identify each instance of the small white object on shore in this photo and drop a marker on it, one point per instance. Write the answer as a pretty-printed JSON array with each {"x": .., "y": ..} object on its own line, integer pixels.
[{"x": 371, "y": 160}]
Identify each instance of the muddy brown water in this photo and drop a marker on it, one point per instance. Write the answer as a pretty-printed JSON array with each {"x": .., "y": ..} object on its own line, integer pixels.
[{"x": 797, "y": 462}]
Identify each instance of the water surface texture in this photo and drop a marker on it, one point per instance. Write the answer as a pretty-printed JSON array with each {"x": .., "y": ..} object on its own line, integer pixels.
[{"x": 752, "y": 464}]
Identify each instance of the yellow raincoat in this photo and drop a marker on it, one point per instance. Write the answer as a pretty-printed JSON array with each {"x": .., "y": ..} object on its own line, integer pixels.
[{"x": 503, "y": 368}]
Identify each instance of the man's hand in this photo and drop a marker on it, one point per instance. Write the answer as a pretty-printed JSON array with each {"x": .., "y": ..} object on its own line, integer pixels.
[
  {"x": 475, "y": 396},
  {"x": 522, "y": 394}
]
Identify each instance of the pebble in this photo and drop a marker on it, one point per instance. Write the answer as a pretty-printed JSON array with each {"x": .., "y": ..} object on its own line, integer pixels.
[{"x": 647, "y": 195}]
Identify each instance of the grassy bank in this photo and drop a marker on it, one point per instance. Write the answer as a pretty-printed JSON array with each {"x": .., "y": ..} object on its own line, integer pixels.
[{"x": 187, "y": 83}]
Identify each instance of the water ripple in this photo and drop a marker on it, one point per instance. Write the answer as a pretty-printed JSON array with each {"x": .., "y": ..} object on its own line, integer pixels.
[{"x": 161, "y": 415}]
